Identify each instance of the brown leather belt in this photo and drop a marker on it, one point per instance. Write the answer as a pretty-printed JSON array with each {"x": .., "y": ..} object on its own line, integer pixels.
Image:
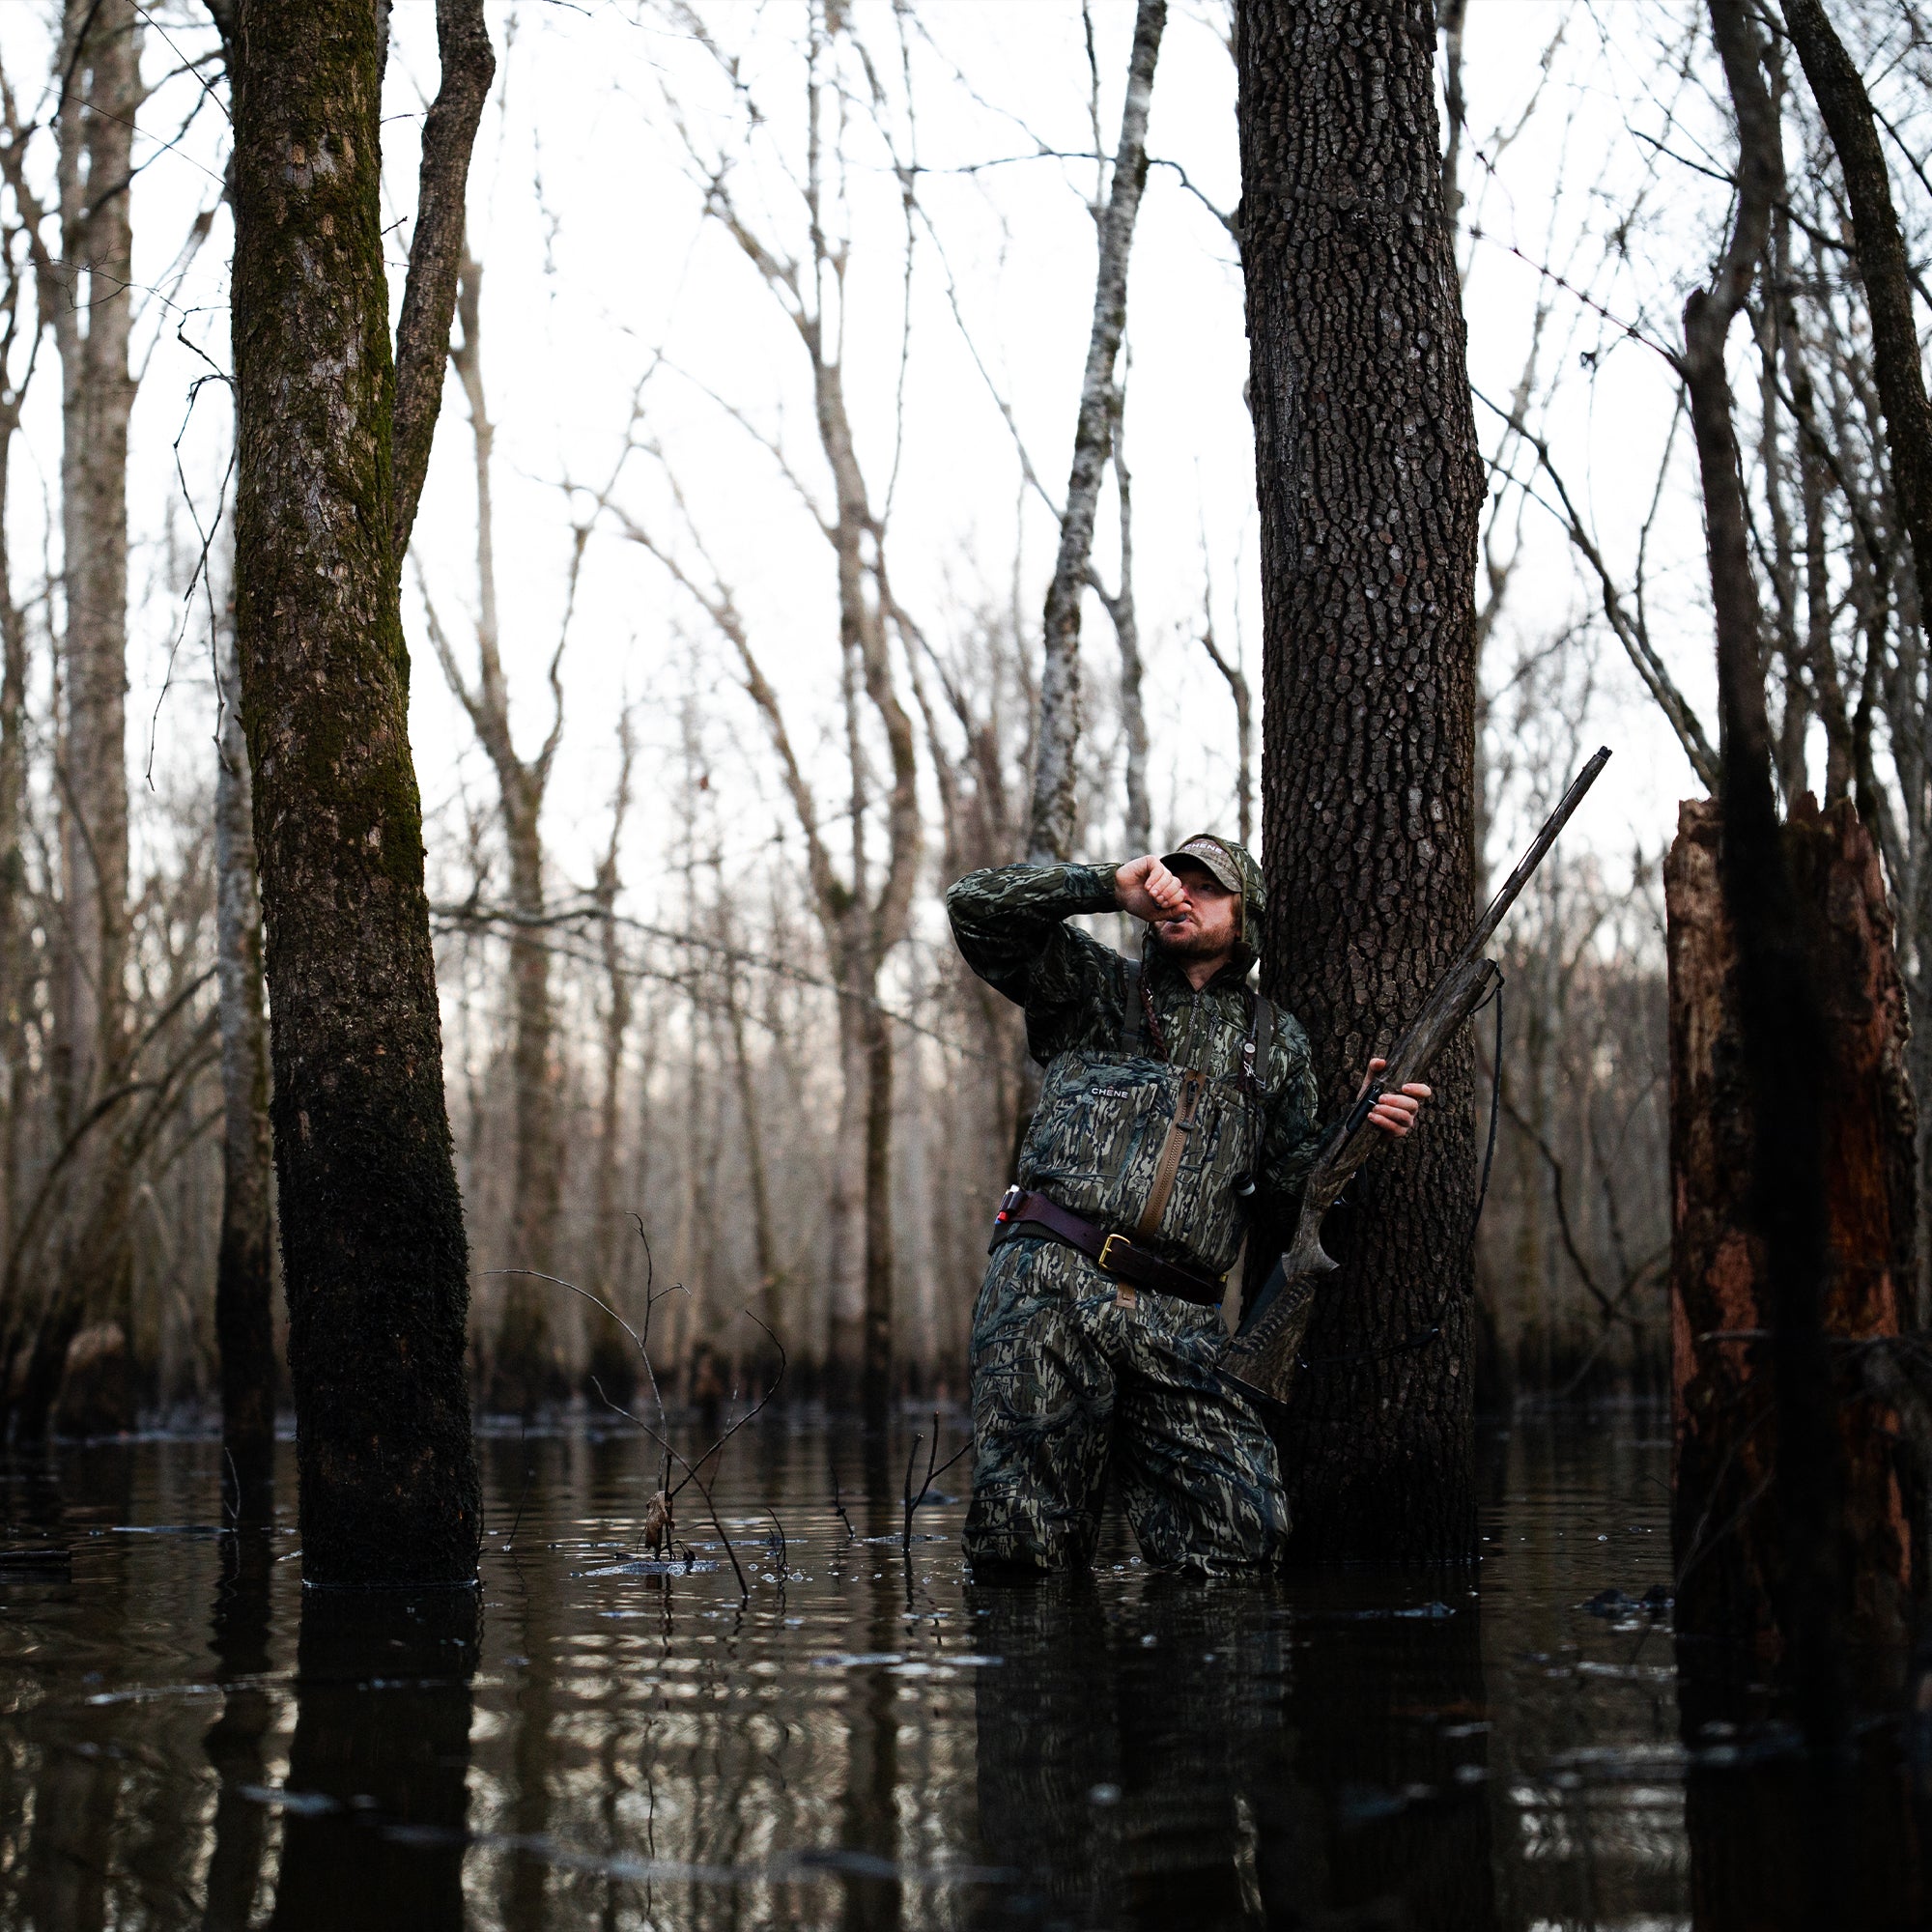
[{"x": 1024, "y": 1214}]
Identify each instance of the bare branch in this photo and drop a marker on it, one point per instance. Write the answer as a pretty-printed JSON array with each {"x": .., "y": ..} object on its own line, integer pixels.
[{"x": 435, "y": 252}]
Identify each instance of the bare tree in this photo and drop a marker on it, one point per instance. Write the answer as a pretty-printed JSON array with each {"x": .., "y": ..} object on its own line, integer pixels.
[
  {"x": 1780, "y": 1022},
  {"x": 1236, "y": 680},
  {"x": 89, "y": 291},
  {"x": 85, "y": 299},
  {"x": 524, "y": 1367},
  {"x": 611, "y": 1365},
  {"x": 1051, "y": 817},
  {"x": 863, "y": 910}
]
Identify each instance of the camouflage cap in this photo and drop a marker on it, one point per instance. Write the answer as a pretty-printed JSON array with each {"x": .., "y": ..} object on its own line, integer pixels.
[{"x": 1235, "y": 867}]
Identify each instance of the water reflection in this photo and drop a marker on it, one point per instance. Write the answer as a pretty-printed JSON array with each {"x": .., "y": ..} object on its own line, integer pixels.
[
  {"x": 872, "y": 1743},
  {"x": 238, "y": 1740},
  {"x": 373, "y": 1832},
  {"x": 1162, "y": 1760},
  {"x": 1778, "y": 1842}
]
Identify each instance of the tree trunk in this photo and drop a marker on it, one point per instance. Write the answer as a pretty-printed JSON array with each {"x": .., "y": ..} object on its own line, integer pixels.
[
  {"x": 102, "y": 42},
  {"x": 1050, "y": 826},
  {"x": 613, "y": 1361},
  {"x": 1237, "y": 681},
  {"x": 14, "y": 936},
  {"x": 764, "y": 1239},
  {"x": 846, "y": 1213},
  {"x": 100, "y": 48},
  {"x": 1122, "y": 609},
  {"x": 375, "y": 1264},
  {"x": 1883, "y": 266},
  {"x": 865, "y": 925},
  {"x": 1783, "y": 1047},
  {"x": 876, "y": 1363},
  {"x": 1899, "y": 373},
  {"x": 1370, "y": 487},
  {"x": 1729, "y": 1542},
  {"x": 525, "y": 1370},
  {"x": 243, "y": 1313}
]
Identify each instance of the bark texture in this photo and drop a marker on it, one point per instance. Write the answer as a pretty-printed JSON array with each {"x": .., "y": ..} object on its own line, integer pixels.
[
  {"x": 374, "y": 1264},
  {"x": 1370, "y": 487},
  {"x": 243, "y": 1277},
  {"x": 1050, "y": 825},
  {"x": 1729, "y": 1540}
]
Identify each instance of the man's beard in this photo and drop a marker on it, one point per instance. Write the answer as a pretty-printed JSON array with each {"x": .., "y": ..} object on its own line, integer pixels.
[{"x": 1192, "y": 945}]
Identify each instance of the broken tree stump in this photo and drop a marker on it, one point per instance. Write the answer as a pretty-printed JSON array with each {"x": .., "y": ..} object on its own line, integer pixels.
[{"x": 1726, "y": 1529}]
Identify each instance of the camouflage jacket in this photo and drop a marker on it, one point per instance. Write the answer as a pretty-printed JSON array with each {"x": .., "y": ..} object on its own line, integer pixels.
[{"x": 1097, "y": 1136}]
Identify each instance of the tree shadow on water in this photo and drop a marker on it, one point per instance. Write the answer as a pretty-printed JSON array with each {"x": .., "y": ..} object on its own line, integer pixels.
[
  {"x": 1180, "y": 1755},
  {"x": 373, "y": 1832}
]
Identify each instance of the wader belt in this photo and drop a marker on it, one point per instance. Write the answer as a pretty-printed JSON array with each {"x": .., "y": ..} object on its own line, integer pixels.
[{"x": 1022, "y": 1214}]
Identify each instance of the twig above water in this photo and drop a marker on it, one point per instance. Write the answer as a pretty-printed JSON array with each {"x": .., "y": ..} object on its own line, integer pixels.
[{"x": 913, "y": 1502}]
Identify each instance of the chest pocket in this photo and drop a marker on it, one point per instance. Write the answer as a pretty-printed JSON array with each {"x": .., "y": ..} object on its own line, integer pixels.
[{"x": 1096, "y": 1135}]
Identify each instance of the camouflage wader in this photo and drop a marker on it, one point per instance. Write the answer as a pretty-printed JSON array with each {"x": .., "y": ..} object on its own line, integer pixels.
[
  {"x": 1073, "y": 1373},
  {"x": 1067, "y": 1383}
]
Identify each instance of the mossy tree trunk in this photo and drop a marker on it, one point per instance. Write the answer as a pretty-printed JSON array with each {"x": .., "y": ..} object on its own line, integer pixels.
[
  {"x": 1369, "y": 486},
  {"x": 375, "y": 1264}
]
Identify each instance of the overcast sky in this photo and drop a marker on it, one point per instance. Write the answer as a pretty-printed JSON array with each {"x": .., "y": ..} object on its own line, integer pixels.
[{"x": 600, "y": 265}]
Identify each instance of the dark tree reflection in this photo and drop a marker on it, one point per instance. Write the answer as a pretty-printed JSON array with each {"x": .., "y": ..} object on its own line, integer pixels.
[
  {"x": 1158, "y": 1761},
  {"x": 374, "y": 1824},
  {"x": 235, "y": 1744},
  {"x": 1778, "y": 1841}
]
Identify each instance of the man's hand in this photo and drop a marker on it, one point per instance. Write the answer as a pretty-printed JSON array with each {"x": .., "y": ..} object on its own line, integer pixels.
[
  {"x": 1395, "y": 1113},
  {"x": 1146, "y": 889}
]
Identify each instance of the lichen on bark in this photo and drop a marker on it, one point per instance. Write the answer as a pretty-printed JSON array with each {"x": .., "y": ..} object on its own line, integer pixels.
[{"x": 375, "y": 1262}]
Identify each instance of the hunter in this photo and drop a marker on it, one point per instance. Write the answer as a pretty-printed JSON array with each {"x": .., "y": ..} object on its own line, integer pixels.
[{"x": 1176, "y": 1104}]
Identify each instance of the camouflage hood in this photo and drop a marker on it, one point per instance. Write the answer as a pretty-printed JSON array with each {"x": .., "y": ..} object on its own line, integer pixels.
[{"x": 1236, "y": 867}]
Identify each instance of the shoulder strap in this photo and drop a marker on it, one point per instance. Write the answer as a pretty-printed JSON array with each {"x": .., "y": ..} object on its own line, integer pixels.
[
  {"x": 1130, "y": 1025},
  {"x": 1257, "y": 1045}
]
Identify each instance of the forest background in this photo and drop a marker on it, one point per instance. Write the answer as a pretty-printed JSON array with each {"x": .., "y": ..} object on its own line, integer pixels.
[{"x": 662, "y": 782}]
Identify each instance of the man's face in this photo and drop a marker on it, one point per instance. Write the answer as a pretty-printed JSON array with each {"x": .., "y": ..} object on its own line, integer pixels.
[{"x": 1207, "y": 927}]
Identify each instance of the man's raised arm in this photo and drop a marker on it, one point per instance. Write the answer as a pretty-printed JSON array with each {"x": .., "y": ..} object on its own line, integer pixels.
[{"x": 1007, "y": 923}]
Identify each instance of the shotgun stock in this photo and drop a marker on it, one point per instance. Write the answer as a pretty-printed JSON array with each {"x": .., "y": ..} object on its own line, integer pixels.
[{"x": 1265, "y": 1352}]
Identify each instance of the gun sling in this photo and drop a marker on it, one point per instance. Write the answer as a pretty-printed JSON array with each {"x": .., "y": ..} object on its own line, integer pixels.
[{"x": 1022, "y": 1214}]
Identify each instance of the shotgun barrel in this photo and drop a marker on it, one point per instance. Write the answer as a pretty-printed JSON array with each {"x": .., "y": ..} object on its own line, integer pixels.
[{"x": 1265, "y": 1352}]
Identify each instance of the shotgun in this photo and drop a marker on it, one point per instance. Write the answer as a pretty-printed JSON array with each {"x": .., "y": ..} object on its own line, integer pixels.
[{"x": 1266, "y": 1351}]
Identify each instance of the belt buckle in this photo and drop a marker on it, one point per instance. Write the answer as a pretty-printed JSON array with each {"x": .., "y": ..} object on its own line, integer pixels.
[{"x": 1106, "y": 1255}]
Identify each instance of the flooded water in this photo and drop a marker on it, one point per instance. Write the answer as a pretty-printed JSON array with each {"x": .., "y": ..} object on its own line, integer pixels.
[{"x": 872, "y": 1739}]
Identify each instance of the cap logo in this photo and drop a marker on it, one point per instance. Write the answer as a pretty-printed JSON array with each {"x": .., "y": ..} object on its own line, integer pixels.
[{"x": 1210, "y": 854}]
